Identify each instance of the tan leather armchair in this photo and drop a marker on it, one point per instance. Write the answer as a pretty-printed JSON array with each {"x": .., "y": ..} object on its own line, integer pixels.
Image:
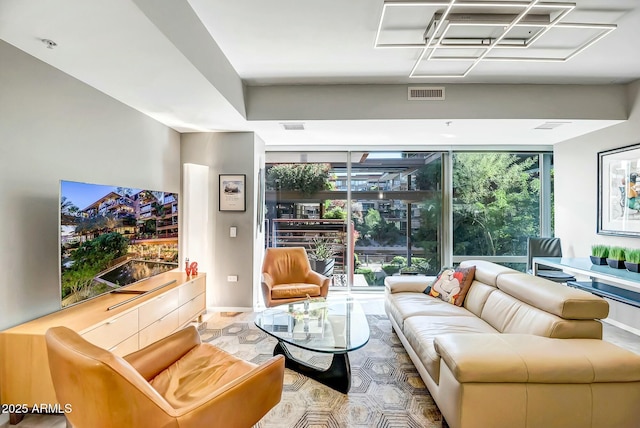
[
  {"x": 287, "y": 277},
  {"x": 175, "y": 382}
]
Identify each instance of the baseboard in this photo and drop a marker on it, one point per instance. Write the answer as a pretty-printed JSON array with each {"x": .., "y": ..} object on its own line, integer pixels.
[
  {"x": 212, "y": 309},
  {"x": 622, "y": 326}
]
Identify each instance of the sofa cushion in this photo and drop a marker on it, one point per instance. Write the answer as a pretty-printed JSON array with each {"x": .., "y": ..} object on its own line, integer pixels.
[
  {"x": 487, "y": 272},
  {"x": 523, "y": 358},
  {"x": 558, "y": 299},
  {"x": 401, "y": 306},
  {"x": 421, "y": 331},
  {"x": 477, "y": 297},
  {"x": 510, "y": 315},
  {"x": 407, "y": 283}
]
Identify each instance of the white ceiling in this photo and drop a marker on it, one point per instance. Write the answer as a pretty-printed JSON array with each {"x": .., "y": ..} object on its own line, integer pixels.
[
  {"x": 120, "y": 48},
  {"x": 331, "y": 41}
]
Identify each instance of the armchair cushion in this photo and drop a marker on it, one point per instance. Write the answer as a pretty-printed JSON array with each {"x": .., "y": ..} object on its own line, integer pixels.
[
  {"x": 287, "y": 291},
  {"x": 197, "y": 374}
]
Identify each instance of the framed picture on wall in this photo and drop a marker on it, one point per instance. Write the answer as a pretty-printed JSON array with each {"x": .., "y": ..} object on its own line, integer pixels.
[
  {"x": 619, "y": 191},
  {"x": 233, "y": 194}
]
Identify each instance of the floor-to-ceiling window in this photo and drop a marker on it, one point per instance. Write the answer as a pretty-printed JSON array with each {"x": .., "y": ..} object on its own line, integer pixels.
[
  {"x": 385, "y": 213},
  {"x": 396, "y": 199},
  {"x": 499, "y": 199},
  {"x": 380, "y": 212}
]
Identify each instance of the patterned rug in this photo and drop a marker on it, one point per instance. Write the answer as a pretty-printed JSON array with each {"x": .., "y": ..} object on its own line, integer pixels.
[{"x": 386, "y": 390}]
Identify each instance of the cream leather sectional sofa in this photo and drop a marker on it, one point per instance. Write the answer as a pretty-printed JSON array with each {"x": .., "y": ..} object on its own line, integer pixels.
[{"x": 522, "y": 351}]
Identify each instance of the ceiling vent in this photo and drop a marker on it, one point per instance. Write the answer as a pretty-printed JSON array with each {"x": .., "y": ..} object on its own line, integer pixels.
[
  {"x": 293, "y": 126},
  {"x": 550, "y": 125},
  {"x": 426, "y": 93}
]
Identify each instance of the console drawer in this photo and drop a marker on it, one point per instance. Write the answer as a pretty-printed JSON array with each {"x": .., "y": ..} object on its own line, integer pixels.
[
  {"x": 192, "y": 308},
  {"x": 158, "y": 307},
  {"x": 126, "y": 347},
  {"x": 192, "y": 289},
  {"x": 114, "y": 331},
  {"x": 159, "y": 329}
]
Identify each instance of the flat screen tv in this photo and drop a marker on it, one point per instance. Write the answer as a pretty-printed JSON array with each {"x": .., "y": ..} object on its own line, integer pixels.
[{"x": 112, "y": 237}]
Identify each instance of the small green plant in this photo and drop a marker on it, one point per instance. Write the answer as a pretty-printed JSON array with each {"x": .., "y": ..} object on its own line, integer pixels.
[
  {"x": 369, "y": 275},
  {"x": 632, "y": 256},
  {"x": 322, "y": 250},
  {"x": 390, "y": 269},
  {"x": 410, "y": 269},
  {"x": 600, "y": 250},
  {"x": 616, "y": 253}
]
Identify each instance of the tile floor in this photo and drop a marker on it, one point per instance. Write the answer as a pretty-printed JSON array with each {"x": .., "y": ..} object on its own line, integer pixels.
[{"x": 373, "y": 304}]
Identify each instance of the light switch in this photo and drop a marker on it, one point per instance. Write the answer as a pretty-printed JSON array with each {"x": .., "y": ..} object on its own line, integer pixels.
[
  {"x": 232, "y": 278},
  {"x": 233, "y": 231}
]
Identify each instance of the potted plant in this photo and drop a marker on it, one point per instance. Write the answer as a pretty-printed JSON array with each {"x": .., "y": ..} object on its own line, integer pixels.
[
  {"x": 599, "y": 254},
  {"x": 632, "y": 260},
  {"x": 322, "y": 257},
  {"x": 616, "y": 257},
  {"x": 409, "y": 270}
]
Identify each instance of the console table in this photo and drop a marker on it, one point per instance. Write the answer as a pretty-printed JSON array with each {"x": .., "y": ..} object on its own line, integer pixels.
[
  {"x": 173, "y": 301},
  {"x": 619, "y": 286}
]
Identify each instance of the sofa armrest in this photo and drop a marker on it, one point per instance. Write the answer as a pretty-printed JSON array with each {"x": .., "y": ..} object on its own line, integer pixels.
[
  {"x": 522, "y": 358},
  {"x": 153, "y": 359},
  {"x": 407, "y": 283}
]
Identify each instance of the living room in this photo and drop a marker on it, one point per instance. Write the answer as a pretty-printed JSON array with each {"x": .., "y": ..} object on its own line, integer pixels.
[{"x": 74, "y": 116}]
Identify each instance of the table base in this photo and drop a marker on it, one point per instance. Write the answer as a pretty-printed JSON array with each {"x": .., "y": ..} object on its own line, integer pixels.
[{"x": 337, "y": 376}]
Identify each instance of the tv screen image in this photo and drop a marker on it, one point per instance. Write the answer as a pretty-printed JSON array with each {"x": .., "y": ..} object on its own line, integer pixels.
[{"x": 111, "y": 237}]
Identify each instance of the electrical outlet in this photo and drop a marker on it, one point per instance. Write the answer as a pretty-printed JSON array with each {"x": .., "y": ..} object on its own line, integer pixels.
[{"x": 232, "y": 278}]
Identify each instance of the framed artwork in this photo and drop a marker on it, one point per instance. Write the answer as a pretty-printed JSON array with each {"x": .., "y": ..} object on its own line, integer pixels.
[
  {"x": 233, "y": 192},
  {"x": 619, "y": 191}
]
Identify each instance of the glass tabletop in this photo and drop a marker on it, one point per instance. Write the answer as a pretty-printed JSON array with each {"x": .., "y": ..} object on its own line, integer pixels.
[{"x": 335, "y": 325}]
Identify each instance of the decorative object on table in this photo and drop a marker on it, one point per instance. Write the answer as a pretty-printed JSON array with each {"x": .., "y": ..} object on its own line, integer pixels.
[
  {"x": 616, "y": 257},
  {"x": 233, "y": 194},
  {"x": 322, "y": 257},
  {"x": 193, "y": 269},
  {"x": 599, "y": 254},
  {"x": 632, "y": 260},
  {"x": 619, "y": 192}
]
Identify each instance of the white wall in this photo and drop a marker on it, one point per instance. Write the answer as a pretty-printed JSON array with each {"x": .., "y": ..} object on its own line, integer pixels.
[
  {"x": 55, "y": 127},
  {"x": 576, "y": 181},
  {"x": 229, "y": 153}
]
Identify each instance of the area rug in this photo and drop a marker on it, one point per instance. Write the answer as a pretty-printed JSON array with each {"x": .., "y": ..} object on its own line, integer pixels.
[{"x": 386, "y": 390}]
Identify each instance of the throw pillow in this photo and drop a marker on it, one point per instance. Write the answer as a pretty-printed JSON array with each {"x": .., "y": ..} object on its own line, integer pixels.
[{"x": 452, "y": 285}]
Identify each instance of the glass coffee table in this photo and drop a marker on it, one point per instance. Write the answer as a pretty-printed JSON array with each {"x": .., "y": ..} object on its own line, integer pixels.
[{"x": 335, "y": 326}]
